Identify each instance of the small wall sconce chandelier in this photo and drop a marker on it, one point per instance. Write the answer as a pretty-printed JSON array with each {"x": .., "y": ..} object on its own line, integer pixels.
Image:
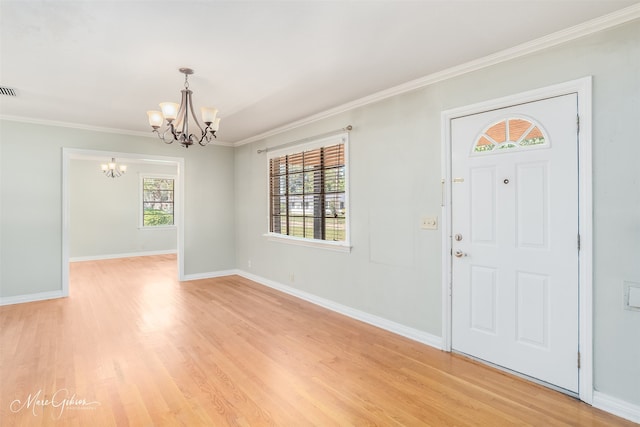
[
  {"x": 177, "y": 118},
  {"x": 113, "y": 170}
]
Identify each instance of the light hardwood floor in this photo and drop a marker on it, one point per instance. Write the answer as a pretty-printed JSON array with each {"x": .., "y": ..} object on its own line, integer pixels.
[{"x": 132, "y": 346}]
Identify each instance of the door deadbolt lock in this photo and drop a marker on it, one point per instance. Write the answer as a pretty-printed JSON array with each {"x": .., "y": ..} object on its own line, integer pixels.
[{"x": 458, "y": 237}]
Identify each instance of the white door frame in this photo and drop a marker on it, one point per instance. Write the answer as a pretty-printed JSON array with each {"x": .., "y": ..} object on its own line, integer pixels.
[
  {"x": 73, "y": 153},
  {"x": 583, "y": 88}
]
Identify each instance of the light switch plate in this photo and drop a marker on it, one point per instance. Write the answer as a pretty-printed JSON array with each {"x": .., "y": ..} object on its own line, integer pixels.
[
  {"x": 632, "y": 296},
  {"x": 429, "y": 223}
]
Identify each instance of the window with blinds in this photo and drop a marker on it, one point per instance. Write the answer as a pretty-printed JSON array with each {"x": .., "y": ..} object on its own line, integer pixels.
[{"x": 308, "y": 193}]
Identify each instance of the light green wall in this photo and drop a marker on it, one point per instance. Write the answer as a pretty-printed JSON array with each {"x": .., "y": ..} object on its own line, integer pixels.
[
  {"x": 105, "y": 212},
  {"x": 394, "y": 269},
  {"x": 31, "y": 207}
]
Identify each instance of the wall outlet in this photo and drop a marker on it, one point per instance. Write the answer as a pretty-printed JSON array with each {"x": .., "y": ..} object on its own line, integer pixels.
[
  {"x": 429, "y": 223},
  {"x": 249, "y": 263},
  {"x": 291, "y": 278}
]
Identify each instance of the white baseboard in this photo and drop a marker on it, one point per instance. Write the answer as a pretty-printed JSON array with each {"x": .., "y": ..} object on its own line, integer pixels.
[
  {"x": 40, "y": 296},
  {"x": 209, "y": 275},
  {"x": 124, "y": 255},
  {"x": 616, "y": 406},
  {"x": 380, "y": 322}
]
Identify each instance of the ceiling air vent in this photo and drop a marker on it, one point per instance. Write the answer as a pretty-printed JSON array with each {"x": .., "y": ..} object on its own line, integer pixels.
[{"x": 7, "y": 91}]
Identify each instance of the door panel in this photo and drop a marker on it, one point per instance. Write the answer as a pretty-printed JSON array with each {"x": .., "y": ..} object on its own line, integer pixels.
[
  {"x": 515, "y": 270},
  {"x": 483, "y": 299},
  {"x": 532, "y": 311},
  {"x": 483, "y": 197},
  {"x": 532, "y": 205}
]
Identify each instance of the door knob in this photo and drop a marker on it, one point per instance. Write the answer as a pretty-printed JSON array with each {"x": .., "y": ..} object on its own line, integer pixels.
[{"x": 459, "y": 254}]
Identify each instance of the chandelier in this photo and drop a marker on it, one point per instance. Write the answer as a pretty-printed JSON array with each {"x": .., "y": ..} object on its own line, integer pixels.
[
  {"x": 113, "y": 170},
  {"x": 177, "y": 117}
]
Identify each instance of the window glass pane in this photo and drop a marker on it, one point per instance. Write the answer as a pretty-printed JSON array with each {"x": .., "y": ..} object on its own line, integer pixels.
[
  {"x": 334, "y": 156},
  {"x": 312, "y": 182},
  {"x": 498, "y": 132},
  {"x": 484, "y": 144},
  {"x": 535, "y": 137},
  {"x": 278, "y": 205},
  {"x": 312, "y": 159},
  {"x": 295, "y": 205},
  {"x": 157, "y": 202},
  {"x": 278, "y": 224},
  {"x": 296, "y": 226},
  {"x": 308, "y": 229},
  {"x": 334, "y": 179},
  {"x": 306, "y": 188},
  {"x": 296, "y": 183},
  {"x": 294, "y": 162},
  {"x": 517, "y": 128},
  {"x": 278, "y": 166},
  {"x": 335, "y": 229},
  {"x": 510, "y": 134},
  {"x": 309, "y": 205}
]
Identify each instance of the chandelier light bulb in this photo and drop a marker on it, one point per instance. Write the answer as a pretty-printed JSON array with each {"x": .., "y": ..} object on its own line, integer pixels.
[
  {"x": 209, "y": 114},
  {"x": 169, "y": 110},
  {"x": 155, "y": 118}
]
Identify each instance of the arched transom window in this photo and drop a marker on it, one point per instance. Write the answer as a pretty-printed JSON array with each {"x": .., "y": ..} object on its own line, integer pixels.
[{"x": 510, "y": 134}]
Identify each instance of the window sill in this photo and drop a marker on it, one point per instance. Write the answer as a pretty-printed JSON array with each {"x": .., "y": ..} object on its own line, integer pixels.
[
  {"x": 322, "y": 244},
  {"x": 158, "y": 227}
]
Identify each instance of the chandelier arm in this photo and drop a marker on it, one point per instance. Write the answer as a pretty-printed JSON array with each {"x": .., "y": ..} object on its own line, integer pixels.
[
  {"x": 193, "y": 114},
  {"x": 162, "y": 135},
  {"x": 206, "y": 136},
  {"x": 182, "y": 119}
]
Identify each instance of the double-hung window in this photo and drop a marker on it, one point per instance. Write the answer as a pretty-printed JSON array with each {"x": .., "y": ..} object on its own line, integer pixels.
[
  {"x": 157, "y": 201},
  {"x": 308, "y": 193}
]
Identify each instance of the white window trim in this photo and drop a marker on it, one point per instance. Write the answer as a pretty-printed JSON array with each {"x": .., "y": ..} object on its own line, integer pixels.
[
  {"x": 342, "y": 246},
  {"x": 141, "y": 178},
  {"x": 310, "y": 243}
]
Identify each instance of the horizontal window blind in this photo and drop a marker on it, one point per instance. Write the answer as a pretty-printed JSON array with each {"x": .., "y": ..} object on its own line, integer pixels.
[{"x": 307, "y": 193}]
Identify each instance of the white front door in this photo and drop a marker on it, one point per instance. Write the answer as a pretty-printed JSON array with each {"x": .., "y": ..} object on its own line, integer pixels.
[{"x": 515, "y": 238}]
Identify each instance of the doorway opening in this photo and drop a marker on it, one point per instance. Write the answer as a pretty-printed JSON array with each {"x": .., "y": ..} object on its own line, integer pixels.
[{"x": 169, "y": 163}]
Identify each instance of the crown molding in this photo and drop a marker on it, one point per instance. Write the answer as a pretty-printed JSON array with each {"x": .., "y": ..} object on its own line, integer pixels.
[
  {"x": 79, "y": 126},
  {"x": 70, "y": 125},
  {"x": 581, "y": 30}
]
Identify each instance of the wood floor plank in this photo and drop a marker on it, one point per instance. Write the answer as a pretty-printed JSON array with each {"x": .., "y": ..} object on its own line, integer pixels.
[{"x": 132, "y": 346}]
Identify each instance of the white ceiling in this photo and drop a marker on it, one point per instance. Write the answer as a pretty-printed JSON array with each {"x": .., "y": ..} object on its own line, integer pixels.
[{"x": 263, "y": 64}]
